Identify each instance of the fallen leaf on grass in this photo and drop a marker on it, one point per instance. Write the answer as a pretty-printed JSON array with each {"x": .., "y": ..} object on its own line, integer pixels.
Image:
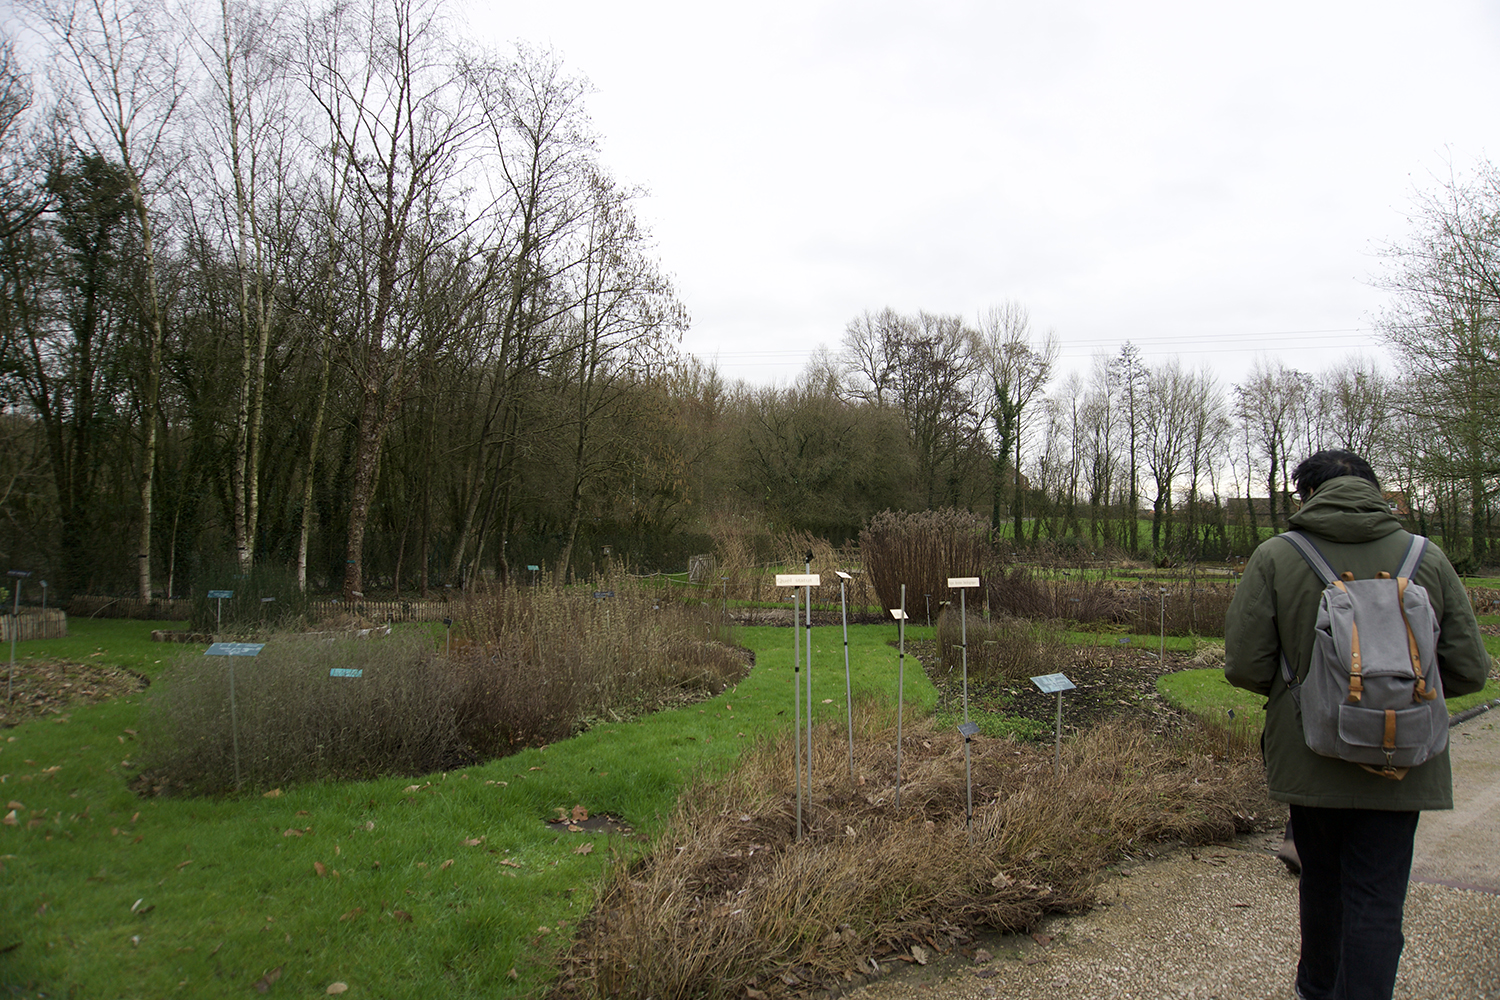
[
  {"x": 263, "y": 984},
  {"x": 10, "y": 818},
  {"x": 352, "y": 913},
  {"x": 274, "y": 793},
  {"x": 445, "y": 865},
  {"x": 184, "y": 864},
  {"x": 292, "y": 832},
  {"x": 336, "y": 988},
  {"x": 584, "y": 849},
  {"x": 580, "y": 814},
  {"x": 318, "y": 867},
  {"x": 513, "y": 974},
  {"x": 509, "y": 863},
  {"x": 474, "y": 842},
  {"x": 401, "y": 915},
  {"x": 13, "y": 804}
]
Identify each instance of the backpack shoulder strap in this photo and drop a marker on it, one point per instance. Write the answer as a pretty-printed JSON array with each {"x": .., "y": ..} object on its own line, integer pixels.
[
  {"x": 1310, "y": 552},
  {"x": 1414, "y": 553}
]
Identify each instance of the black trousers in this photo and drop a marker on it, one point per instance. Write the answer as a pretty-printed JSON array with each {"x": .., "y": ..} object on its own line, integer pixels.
[{"x": 1355, "y": 867}]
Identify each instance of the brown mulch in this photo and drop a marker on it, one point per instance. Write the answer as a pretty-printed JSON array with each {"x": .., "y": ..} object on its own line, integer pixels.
[
  {"x": 49, "y": 688},
  {"x": 1112, "y": 681}
]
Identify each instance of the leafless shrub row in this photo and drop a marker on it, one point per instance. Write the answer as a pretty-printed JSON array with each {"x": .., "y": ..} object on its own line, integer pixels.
[{"x": 537, "y": 665}]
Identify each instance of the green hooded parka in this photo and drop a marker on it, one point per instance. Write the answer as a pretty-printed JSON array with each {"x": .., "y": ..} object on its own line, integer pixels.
[{"x": 1275, "y": 607}]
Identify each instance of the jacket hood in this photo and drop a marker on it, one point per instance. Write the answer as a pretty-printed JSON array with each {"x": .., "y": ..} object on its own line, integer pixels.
[{"x": 1347, "y": 509}]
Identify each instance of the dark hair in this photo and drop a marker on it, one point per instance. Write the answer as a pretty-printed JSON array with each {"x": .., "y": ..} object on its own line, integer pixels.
[{"x": 1322, "y": 466}]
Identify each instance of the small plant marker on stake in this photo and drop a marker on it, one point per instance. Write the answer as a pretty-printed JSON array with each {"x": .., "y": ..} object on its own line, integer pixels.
[
  {"x": 231, "y": 650},
  {"x": 15, "y": 626},
  {"x": 848, "y": 689},
  {"x": 963, "y": 584},
  {"x": 1161, "y": 657},
  {"x": 900, "y": 615},
  {"x": 1048, "y": 683},
  {"x": 795, "y": 580},
  {"x": 220, "y": 596},
  {"x": 968, "y": 731},
  {"x": 807, "y": 610}
]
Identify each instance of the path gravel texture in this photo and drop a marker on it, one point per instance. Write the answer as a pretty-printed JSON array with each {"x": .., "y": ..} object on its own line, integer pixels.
[{"x": 1220, "y": 923}]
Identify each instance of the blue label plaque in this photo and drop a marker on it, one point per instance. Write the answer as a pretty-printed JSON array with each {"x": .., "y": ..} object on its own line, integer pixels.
[{"x": 1052, "y": 683}]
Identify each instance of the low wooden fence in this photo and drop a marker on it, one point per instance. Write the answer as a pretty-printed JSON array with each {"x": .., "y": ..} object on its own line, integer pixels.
[{"x": 50, "y": 624}]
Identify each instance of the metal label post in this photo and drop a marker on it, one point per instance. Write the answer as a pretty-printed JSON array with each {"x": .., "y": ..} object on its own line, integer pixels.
[
  {"x": 231, "y": 650},
  {"x": 963, "y": 584},
  {"x": 15, "y": 626},
  {"x": 795, "y": 580},
  {"x": 900, "y": 615},
  {"x": 844, "y": 578},
  {"x": 1049, "y": 683},
  {"x": 221, "y": 596}
]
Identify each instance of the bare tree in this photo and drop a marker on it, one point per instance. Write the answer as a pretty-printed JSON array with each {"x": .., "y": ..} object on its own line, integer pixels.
[
  {"x": 1016, "y": 373},
  {"x": 1127, "y": 372},
  {"x": 390, "y": 85},
  {"x": 1445, "y": 323},
  {"x": 1268, "y": 404},
  {"x": 122, "y": 79},
  {"x": 538, "y": 131},
  {"x": 244, "y": 167}
]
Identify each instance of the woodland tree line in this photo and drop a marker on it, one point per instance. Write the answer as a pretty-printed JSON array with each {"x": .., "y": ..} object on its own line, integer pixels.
[{"x": 336, "y": 292}]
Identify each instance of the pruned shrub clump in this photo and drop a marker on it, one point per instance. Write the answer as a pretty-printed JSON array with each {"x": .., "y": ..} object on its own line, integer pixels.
[
  {"x": 1191, "y": 608},
  {"x": 1002, "y": 648},
  {"x": 1022, "y": 593},
  {"x": 729, "y": 901},
  {"x": 922, "y": 549},
  {"x": 293, "y": 719},
  {"x": 543, "y": 663},
  {"x": 531, "y": 666}
]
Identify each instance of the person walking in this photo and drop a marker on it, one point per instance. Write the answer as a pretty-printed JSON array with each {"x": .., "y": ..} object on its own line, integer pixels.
[{"x": 1355, "y": 829}]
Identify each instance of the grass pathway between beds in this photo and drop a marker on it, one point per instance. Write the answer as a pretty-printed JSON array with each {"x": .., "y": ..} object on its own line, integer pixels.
[{"x": 448, "y": 884}]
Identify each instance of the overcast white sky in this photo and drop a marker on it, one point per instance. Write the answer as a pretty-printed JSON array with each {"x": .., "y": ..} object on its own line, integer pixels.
[{"x": 1207, "y": 180}]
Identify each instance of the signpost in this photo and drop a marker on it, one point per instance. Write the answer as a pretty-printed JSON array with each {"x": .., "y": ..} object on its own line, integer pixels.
[
  {"x": 1049, "y": 683},
  {"x": 968, "y": 730},
  {"x": 844, "y": 578},
  {"x": 900, "y": 615},
  {"x": 795, "y": 580},
  {"x": 221, "y": 596},
  {"x": 231, "y": 650},
  {"x": 15, "y": 626},
  {"x": 964, "y": 584}
]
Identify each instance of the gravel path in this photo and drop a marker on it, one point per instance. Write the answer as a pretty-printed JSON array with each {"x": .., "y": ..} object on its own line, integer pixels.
[{"x": 1220, "y": 923}]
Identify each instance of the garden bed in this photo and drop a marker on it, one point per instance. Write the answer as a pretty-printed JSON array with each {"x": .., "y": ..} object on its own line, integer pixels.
[{"x": 45, "y": 688}]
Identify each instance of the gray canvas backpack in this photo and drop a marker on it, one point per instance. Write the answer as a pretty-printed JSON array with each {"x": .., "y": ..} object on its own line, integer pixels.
[{"x": 1372, "y": 694}]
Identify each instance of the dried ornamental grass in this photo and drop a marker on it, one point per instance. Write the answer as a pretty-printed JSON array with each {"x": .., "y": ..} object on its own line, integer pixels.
[
  {"x": 729, "y": 900},
  {"x": 922, "y": 549}
]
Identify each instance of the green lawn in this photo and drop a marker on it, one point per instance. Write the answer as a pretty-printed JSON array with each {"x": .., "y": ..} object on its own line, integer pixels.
[
  {"x": 1208, "y": 695},
  {"x": 450, "y": 884}
]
